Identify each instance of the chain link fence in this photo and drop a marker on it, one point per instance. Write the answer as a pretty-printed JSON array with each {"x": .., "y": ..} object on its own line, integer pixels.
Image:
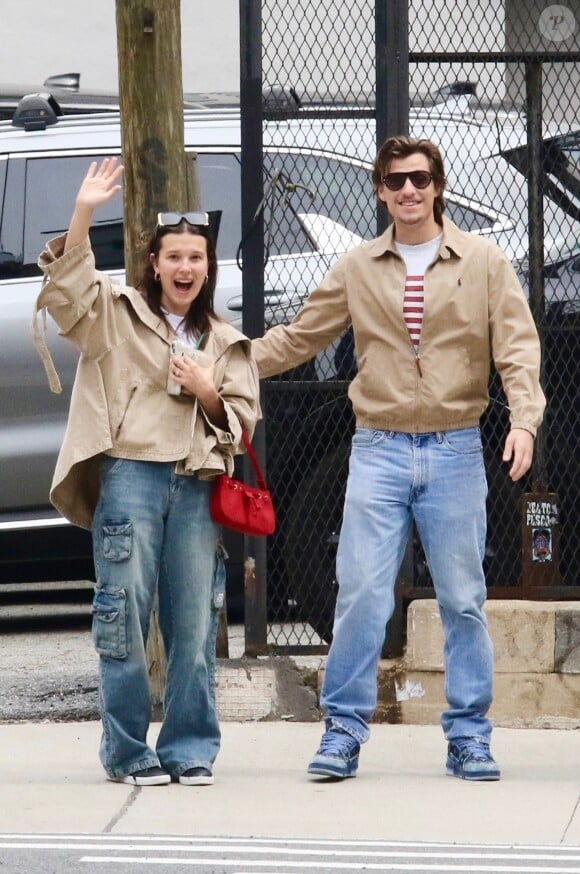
[{"x": 497, "y": 87}]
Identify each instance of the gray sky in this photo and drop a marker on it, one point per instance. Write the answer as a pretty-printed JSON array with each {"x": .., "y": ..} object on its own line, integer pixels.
[{"x": 40, "y": 39}]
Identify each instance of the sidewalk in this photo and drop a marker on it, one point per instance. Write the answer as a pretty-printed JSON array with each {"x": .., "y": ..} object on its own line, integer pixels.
[{"x": 52, "y": 782}]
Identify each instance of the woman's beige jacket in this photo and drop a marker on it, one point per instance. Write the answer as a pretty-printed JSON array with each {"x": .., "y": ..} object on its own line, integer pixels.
[{"x": 119, "y": 403}]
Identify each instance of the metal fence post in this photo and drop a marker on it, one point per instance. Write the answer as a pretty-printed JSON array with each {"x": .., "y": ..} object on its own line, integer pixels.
[
  {"x": 536, "y": 230},
  {"x": 392, "y": 118},
  {"x": 253, "y": 286},
  {"x": 392, "y": 77}
]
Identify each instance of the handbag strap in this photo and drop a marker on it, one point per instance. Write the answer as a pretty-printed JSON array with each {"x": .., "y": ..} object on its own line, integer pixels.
[{"x": 253, "y": 458}]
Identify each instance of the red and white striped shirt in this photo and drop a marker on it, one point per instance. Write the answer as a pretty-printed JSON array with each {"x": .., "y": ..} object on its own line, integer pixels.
[
  {"x": 417, "y": 259},
  {"x": 413, "y": 306}
]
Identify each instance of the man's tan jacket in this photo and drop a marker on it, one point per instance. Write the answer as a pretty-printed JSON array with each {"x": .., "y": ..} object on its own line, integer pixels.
[
  {"x": 119, "y": 404},
  {"x": 475, "y": 311}
]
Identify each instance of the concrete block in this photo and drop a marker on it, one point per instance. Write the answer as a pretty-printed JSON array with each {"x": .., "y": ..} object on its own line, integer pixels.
[
  {"x": 536, "y": 700},
  {"x": 523, "y": 635},
  {"x": 259, "y": 689},
  {"x": 243, "y": 693},
  {"x": 521, "y": 700}
]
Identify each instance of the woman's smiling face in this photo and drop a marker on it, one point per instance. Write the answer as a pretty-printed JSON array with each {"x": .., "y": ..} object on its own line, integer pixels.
[{"x": 182, "y": 265}]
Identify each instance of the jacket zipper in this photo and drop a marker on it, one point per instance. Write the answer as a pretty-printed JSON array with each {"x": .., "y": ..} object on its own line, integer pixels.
[{"x": 418, "y": 363}]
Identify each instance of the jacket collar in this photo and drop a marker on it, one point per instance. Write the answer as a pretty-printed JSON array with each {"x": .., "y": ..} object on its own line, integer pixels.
[
  {"x": 453, "y": 242},
  {"x": 141, "y": 309},
  {"x": 224, "y": 334}
]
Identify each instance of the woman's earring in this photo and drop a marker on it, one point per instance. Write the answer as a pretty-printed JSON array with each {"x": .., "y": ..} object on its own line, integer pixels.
[
  {"x": 206, "y": 277},
  {"x": 156, "y": 276}
]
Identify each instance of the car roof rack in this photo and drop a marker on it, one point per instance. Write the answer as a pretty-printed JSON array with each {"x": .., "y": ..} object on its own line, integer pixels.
[{"x": 36, "y": 111}]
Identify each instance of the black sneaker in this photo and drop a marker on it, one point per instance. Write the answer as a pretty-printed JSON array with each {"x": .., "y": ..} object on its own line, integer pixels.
[
  {"x": 154, "y": 776},
  {"x": 470, "y": 759},
  {"x": 196, "y": 777}
]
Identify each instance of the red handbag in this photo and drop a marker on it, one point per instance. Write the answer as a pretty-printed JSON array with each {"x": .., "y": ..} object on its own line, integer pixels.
[{"x": 248, "y": 509}]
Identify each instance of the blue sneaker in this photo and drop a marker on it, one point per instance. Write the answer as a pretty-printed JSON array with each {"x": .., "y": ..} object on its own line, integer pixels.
[
  {"x": 470, "y": 759},
  {"x": 337, "y": 755}
]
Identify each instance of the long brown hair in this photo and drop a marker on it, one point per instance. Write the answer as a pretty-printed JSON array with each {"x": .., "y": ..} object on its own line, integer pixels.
[
  {"x": 198, "y": 315},
  {"x": 404, "y": 147}
]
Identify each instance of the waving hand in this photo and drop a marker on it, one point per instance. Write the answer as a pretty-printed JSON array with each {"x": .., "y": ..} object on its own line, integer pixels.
[{"x": 99, "y": 186}]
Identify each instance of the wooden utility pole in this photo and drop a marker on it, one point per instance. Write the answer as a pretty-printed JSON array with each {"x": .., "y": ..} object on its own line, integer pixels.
[
  {"x": 151, "y": 101},
  {"x": 155, "y": 178}
]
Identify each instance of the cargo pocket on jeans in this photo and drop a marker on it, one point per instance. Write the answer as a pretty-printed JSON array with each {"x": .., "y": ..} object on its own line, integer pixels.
[
  {"x": 219, "y": 579},
  {"x": 109, "y": 623},
  {"x": 117, "y": 538}
]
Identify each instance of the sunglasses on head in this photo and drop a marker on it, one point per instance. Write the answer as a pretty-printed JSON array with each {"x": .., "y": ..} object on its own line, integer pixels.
[
  {"x": 419, "y": 179},
  {"x": 173, "y": 219}
]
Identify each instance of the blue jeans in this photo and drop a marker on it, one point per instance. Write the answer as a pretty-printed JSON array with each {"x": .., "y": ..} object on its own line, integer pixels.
[
  {"x": 438, "y": 480},
  {"x": 152, "y": 533}
]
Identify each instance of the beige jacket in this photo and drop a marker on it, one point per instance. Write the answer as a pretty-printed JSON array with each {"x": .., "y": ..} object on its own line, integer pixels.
[
  {"x": 475, "y": 311},
  {"x": 119, "y": 404}
]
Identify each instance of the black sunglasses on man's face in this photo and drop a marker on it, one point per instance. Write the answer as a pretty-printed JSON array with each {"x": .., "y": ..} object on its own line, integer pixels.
[{"x": 419, "y": 179}]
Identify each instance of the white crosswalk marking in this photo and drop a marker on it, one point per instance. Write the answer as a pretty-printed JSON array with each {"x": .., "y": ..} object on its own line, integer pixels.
[{"x": 236, "y": 855}]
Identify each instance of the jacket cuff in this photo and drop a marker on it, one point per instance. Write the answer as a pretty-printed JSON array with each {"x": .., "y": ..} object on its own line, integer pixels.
[
  {"x": 525, "y": 425},
  {"x": 54, "y": 252}
]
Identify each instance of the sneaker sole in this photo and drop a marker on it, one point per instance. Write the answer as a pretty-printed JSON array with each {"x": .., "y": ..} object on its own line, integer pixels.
[
  {"x": 478, "y": 776},
  {"x": 160, "y": 780},
  {"x": 196, "y": 781},
  {"x": 329, "y": 771}
]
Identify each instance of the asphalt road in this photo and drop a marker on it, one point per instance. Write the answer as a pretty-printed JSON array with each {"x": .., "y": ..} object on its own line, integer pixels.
[{"x": 49, "y": 666}]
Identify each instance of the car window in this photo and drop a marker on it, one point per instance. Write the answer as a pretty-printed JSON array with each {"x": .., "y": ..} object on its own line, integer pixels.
[
  {"x": 220, "y": 184},
  {"x": 5, "y": 255},
  {"x": 466, "y": 218},
  {"x": 12, "y": 219},
  {"x": 333, "y": 182},
  {"x": 337, "y": 189},
  {"x": 41, "y": 193},
  {"x": 50, "y": 191}
]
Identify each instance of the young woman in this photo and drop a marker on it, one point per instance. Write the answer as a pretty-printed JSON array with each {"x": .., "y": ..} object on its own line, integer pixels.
[{"x": 136, "y": 467}]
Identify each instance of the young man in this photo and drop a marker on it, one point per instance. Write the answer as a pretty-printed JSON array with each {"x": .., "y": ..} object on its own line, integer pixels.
[{"x": 430, "y": 306}]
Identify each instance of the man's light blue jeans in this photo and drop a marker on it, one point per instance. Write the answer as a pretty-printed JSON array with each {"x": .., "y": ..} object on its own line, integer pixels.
[
  {"x": 438, "y": 480},
  {"x": 152, "y": 532}
]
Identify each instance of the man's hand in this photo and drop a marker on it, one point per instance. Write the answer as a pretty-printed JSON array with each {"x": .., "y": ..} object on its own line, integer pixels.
[{"x": 519, "y": 449}]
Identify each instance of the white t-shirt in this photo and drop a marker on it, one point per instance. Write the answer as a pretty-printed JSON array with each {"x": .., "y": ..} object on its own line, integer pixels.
[
  {"x": 417, "y": 258},
  {"x": 178, "y": 325}
]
